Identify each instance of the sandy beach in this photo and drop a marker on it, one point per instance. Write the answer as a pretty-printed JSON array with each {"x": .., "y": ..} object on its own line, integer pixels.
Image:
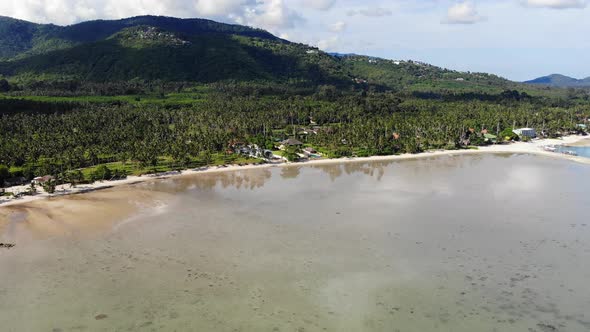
[
  {"x": 582, "y": 142},
  {"x": 74, "y": 215},
  {"x": 534, "y": 147}
]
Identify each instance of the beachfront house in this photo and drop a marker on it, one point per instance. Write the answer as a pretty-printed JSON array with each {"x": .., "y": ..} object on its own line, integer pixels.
[
  {"x": 525, "y": 132},
  {"x": 290, "y": 142},
  {"x": 251, "y": 150},
  {"x": 42, "y": 179}
]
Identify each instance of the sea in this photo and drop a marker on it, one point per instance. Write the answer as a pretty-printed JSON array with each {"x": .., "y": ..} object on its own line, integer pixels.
[
  {"x": 581, "y": 151},
  {"x": 486, "y": 242}
]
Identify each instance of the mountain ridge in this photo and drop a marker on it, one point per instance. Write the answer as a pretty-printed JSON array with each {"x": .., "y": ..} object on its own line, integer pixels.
[
  {"x": 559, "y": 80},
  {"x": 203, "y": 51},
  {"x": 37, "y": 38}
]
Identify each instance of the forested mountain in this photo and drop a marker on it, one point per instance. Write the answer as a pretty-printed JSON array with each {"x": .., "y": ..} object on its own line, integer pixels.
[
  {"x": 558, "y": 80},
  {"x": 417, "y": 75},
  {"x": 149, "y": 48},
  {"x": 21, "y": 38},
  {"x": 149, "y": 53}
]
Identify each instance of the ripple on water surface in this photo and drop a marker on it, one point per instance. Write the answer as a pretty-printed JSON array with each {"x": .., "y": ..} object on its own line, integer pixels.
[{"x": 472, "y": 243}]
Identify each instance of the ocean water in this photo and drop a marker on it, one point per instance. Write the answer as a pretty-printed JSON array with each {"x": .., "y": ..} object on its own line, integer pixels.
[
  {"x": 582, "y": 151},
  {"x": 465, "y": 243}
]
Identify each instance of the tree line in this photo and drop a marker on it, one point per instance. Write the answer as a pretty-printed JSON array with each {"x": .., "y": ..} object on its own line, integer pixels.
[{"x": 71, "y": 136}]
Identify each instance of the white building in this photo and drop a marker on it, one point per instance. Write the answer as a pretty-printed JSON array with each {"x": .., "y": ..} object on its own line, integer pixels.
[{"x": 525, "y": 132}]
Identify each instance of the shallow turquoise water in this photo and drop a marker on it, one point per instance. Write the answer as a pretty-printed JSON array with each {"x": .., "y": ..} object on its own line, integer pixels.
[
  {"x": 458, "y": 244},
  {"x": 582, "y": 151}
]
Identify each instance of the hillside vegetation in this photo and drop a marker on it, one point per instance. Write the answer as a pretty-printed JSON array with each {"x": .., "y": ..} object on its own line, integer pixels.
[
  {"x": 557, "y": 80},
  {"x": 150, "y": 48},
  {"x": 21, "y": 38}
]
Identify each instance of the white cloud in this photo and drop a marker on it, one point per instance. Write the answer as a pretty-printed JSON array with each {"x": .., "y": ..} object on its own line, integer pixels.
[
  {"x": 72, "y": 11},
  {"x": 220, "y": 7},
  {"x": 271, "y": 15},
  {"x": 267, "y": 14},
  {"x": 463, "y": 13},
  {"x": 556, "y": 4},
  {"x": 34, "y": 10},
  {"x": 319, "y": 4},
  {"x": 337, "y": 27},
  {"x": 371, "y": 12},
  {"x": 328, "y": 44}
]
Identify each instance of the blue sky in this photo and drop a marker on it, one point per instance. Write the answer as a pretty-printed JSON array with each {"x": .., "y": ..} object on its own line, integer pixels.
[{"x": 517, "y": 39}]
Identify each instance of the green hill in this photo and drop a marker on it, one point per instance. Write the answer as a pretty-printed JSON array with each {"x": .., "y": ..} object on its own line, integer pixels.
[
  {"x": 557, "y": 80},
  {"x": 149, "y": 48},
  {"x": 157, "y": 48},
  {"x": 417, "y": 76},
  {"x": 198, "y": 58},
  {"x": 21, "y": 38}
]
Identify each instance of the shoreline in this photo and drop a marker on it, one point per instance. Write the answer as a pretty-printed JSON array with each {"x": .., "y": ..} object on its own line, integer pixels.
[{"x": 535, "y": 147}]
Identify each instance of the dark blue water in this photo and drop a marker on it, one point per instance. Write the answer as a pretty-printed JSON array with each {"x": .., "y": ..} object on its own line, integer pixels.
[{"x": 582, "y": 151}]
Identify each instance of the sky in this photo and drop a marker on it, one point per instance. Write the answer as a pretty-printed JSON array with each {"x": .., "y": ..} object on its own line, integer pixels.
[{"x": 516, "y": 39}]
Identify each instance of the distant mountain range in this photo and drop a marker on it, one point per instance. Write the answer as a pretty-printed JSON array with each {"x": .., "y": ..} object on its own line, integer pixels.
[
  {"x": 557, "y": 80},
  {"x": 151, "y": 48}
]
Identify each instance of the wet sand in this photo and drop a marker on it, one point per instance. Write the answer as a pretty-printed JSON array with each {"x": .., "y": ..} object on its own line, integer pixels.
[
  {"x": 464, "y": 243},
  {"x": 583, "y": 142},
  {"x": 74, "y": 215}
]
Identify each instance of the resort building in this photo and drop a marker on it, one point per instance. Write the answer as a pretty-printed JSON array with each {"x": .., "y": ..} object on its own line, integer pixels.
[
  {"x": 42, "y": 179},
  {"x": 291, "y": 142},
  {"x": 525, "y": 132}
]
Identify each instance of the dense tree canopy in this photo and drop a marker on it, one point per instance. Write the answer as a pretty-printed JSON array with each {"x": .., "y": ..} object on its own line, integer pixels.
[{"x": 73, "y": 136}]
